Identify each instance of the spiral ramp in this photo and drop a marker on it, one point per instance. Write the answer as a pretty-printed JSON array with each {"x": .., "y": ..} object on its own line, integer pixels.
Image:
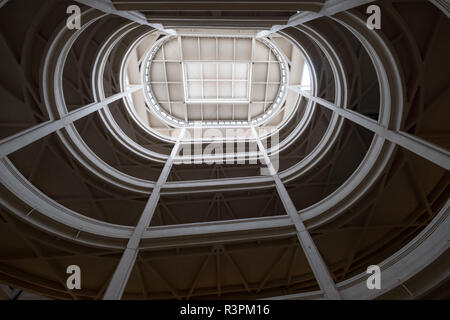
[{"x": 92, "y": 122}]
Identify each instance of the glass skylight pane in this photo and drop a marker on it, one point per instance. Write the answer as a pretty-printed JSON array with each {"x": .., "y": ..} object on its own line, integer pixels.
[
  {"x": 194, "y": 90},
  {"x": 209, "y": 70},
  {"x": 225, "y": 90},
  {"x": 193, "y": 71},
  {"x": 225, "y": 71},
  {"x": 219, "y": 82},
  {"x": 210, "y": 90},
  {"x": 241, "y": 71}
]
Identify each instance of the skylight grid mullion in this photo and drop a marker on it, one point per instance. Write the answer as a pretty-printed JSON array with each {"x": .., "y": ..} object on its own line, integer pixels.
[
  {"x": 183, "y": 73},
  {"x": 165, "y": 60},
  {"x": 219, "y": 101},
  {"x": 263, "y": 82},
  {"x": 166, "y": 78},
  {"x": 228, "y": 61},
  {"x": 201, "y": 111},
  {"x": 232, "y": 68},
  {"x": 163, "y": 82},
  {"x": 217, "y": 75},
  {"x": 213, "y": 80},
  {"x": 267, "y": 81},
  {"x": 201, "y": 71},
  {"x": 217, "y": 78},
  {"x": 199, "y": 81}
]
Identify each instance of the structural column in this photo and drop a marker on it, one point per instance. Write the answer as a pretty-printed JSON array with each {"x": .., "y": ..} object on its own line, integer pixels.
[
  {"x": 108, "y": 7},
  {"x": 313, "y": 256},
  {"x": 123, "y": 271},
  {"x": 26, "y": 137}
]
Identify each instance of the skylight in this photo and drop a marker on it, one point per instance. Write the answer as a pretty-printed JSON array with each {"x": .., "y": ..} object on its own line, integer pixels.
[
  {"x": 214, "y": 79},
  {"x": 217, "y": 82}
]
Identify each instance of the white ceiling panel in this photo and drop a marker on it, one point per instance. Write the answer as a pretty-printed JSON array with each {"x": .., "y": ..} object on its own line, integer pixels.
[{"x": 215, "y": 77}]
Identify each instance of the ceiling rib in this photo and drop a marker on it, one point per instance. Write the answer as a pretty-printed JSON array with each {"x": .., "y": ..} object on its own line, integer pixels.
[
  {"x": 330, "y": 7},
  {"x": 108, "y": 7}
]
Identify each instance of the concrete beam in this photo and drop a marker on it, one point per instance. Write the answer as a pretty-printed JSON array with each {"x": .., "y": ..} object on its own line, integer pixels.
[{"x": 422, "y": 148}]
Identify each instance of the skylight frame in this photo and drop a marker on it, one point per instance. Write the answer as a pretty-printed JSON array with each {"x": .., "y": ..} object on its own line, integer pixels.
[
  {"x": 217, "y": 80},
  {"x": 166, "y": 117}
]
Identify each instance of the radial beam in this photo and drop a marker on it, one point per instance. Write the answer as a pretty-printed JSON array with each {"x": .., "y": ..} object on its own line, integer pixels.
[
  {"x": 422, "y": 148},
  {"x": 26, "y": 137},
  {"x": 329, "y": 8},
  {"x": 313, "y": 256},
  {"x": 108, "y": 7},
  {"x": 443, "y": 5},
  {"x": 123, "y": 271},
  {"x": 215, "y": 5}
]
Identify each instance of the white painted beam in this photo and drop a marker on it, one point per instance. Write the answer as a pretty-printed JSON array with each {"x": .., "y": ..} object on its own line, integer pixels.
[
  {"x": 443, "y": 5},
  {"x": 108, "y": 7},
  {"x": 312, "y": 254},
  {"x": 214, "y": 101},
  {"x": 123, "y": 271},
  {"x": 19, "y": 140},
  {"x": 422, "y": 148},
  {"x": 329, "y": 8}
]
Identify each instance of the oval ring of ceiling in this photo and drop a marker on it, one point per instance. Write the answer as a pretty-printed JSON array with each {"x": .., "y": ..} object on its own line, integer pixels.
[
  {"x": 307, "y": 215},
  {"x": 172, "y": 120}
]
